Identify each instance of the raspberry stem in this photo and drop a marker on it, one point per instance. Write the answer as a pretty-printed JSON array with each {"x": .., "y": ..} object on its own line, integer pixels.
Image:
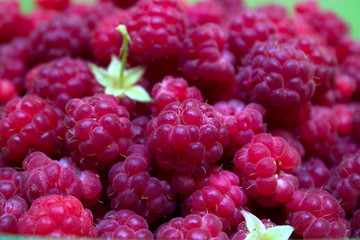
[{"x": 123, "y": 52}]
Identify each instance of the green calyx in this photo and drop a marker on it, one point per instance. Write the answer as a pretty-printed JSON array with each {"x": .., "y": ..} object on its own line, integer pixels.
[
  {"x": 259, "y": 232},
  {"x": 119, "y": 81}
]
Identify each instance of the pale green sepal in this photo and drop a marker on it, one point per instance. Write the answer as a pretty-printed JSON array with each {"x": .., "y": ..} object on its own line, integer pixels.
[
  {"x": 251, "y": 236},
  {"x": 115, "y": 91},
  {"x": 114, "y": 68},
  {"x": 253, "y": 224},
  {"x": 101, "y": 75},
  {"x": 133, "y": 75},
  {"x": 138, "y": 93},
  {"x": 278, "y": 233}
]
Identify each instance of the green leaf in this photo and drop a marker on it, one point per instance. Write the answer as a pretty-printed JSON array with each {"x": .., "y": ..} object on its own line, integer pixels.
[
  {"x": 251, "y": 236},
  {"x": 115, "y": 91},
  {"x": 278, "y": 233},
  {"x": 101, "y": 75},
  {"x": 133, "y": 75},
  {"x": 114, "y": 68},
  {"x": 253, "y": 224},
  {"x": 138, "y": 93}
]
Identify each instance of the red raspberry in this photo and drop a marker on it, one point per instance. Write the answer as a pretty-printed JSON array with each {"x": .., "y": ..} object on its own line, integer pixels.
[
  {"x": 355, "y": 224},
  {"x": 131, "y": 187},
  {"x": 312, "y": 174},
  {"x": 123, "y": 224},
  {"x": 172, "y": 89},
  {"x": 350, "y": 66},
  {"x": 30, "y": 124},
  {"x": 98, "y": 130},
  {"x": 53, "y": 4},
  {"x": 7, "y": 91},
  {"x": 56, "y": 216},
  {"x": 61, "y": 80},
  {"x": 9, "y": 181},
  {"x": 122, "y": 3},
  {"x": 139, "y": 126},
  {"x": 290, "y": 139},
  {"x": 242, "y": 231},
  {"x": 246, "y": 29},
  {"x": 347, "y": 46},
  {"x": 193, "y": 226},
  {"x": 317, "y": 214},
  {"x": 208, "y": 11},
  {"x": 345, "y": 86},
  {"x": 325, "y": 23},
  {"x": 41, "y": 16},
  {"x": 320, "y": 131},
  {"x": 10, "y": 211},
  {"x": 156, "y": 29},
  {"x": 186, "y": 137},
  {"x": 61, "y": 36},
  {"x": 106, "y": 40},
  {"x": 262, "y": 166},
  {"x": 202, "y": 58},
  {"x": 242, "y": 121},
  {"x": 345, "y": 115},
  {"x": 217, "y": 192}
]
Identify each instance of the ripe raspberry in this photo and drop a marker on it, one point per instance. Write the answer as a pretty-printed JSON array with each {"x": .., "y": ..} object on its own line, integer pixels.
[
  {"x": 139, "y": 126},
  {"x": 312, "y": 174},
  {"x": 262, "y": 166},
  {"x": 316, "y": 214},
  {"x": 193, "y": 226},
  {"x": 290, "y": 139},
  {"x": 346, "y": 47},
  {"x": 242, "y": 231},
  {"x": 41, "y": 16},
  {"x": 277, "y": 75},
  {"x": 58, "y": 217},
  {"x": 172, "y": 89},
  {"x": 246, "y": 29},
  {"x": 345, "y": 119},
  {"x": 242, "y": 121},
  {"x": 355, "y": 224},
  {"x": 345, "y": 145},
  {"x": 123, "y": 224},
  {"x": 10, "y": 211},
  {"x": 61, "y": 36},
  {"x": 7, "y": 91},
  {"x": 53, "y": 4},
  {"x": 98, "y": 130},
  {"x": 208, "y": 11},
  {"x": 345, "y": 86},
  {"x": 218, "y": 193},
  {"x": 131, "y": 187},
  {"x": 327, "y": 24},
  {"x": 156, "y": 28},
  {"x": 106, "y": 40},
  {"x": 203, "y": 60},
  {"x": 350, "y": 66},
  {"x": 30, "y": 124},
  {"x": 9, "y": 181},
  {"x": 186, "y": 137},
  {"x": 320, "y": 131},
  {"x": 122, "y": 3},
  {"x": 61, "y": 80}
]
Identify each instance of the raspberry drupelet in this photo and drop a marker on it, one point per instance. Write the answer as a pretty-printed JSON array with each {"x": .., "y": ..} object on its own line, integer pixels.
[
  {"x": 217, "y": 192},
  {"x": 187, "y": 137},
  {"x": 317, "y": 214},
  {"x": 131, "y": 187},
  {"x": 208, "y": 11},
  {"x": 53, "y": 4},
  {"x": 30, "y": 124},
  {"x": 263, "y": 166},
  {"x": 10, "y": 211},
  {"x": 58, "y": 217},
  {"x": 98, "y": 130},
  {"x": 9, "y": 181},
  {"x": 62, "y": 79},
  {"x": 123, "y": 224},
  {"x": 7, "y": 91},
  {"x": 193, "y": 226}
]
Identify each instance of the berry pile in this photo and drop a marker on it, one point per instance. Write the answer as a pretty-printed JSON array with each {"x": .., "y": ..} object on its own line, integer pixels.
[{"x": 164, "y": 119}]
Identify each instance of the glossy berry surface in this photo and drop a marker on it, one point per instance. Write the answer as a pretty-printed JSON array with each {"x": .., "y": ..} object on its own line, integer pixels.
[
  {"x": 10, "y": 211},
  {"x": 9, "y": 181}
]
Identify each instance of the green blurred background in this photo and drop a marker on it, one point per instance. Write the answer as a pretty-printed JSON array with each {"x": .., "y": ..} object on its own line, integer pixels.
[{"x": 347, "y": 9}]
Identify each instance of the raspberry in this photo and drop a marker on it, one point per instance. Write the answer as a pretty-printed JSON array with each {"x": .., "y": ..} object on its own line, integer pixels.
[
  {"x": 122, "y": 3},
  {"x": 355, "y": 224},
  {"x": 208, "y": 11},
  {"x": 44, "y": 176},
  {"x": 325, "y": 23},
  {"x": 320, "y": 131},
  {"x": 53, "y": 4},
  {"x": 242, "y": 231},
  {"x": 246, "y": 29},
  {"x": 123, "y": 224},
  {"x": 61, "y": 80},
  {"x": 9, "y": 181},
  {"x": 157, "y": 28},
  {"x": 41, "y": 16},
  {"x": 106, "y": 40},
  {"x": 57, "y": 216},
  {"x": 98, "y": 130},
  {"x": 7, "y": 91},
  {"x": 61, "y": 36},
  {"x": 242, "y": 121},
  {"x": 345, "y": 119},
  {"x": 10, "y": 211},
  {"x": 316, "y": 214},
  {"x": 346, "y": 47},
  {"x": 218, "y": 193},
  {"x": 290, "y": 139},
  {"x": 193, "y": 226},
  {"x": 262, "y": 166},
  {"x": 30, "y": 124},
  {"x": 312, "y": 174},
  {"x": 139, "y": 126},
  {"x": 186, "y": 137},
  {"x": 131, "y": 187},
  {"x": 172, "y": 89},
  {"x": 350, "y": 66},
  {"x": 202, "y": 58},
  {"x": 345, "y": 87}
]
